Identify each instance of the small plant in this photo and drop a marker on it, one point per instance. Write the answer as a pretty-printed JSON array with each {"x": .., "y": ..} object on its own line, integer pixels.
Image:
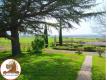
[
  {"x": 38, "y": 44},
  {"x": 100, "y": 51},
  {"x": 79, "y": 50},
  {"x": 52, "y": 45},
  {"x": 28, "y": 49}
]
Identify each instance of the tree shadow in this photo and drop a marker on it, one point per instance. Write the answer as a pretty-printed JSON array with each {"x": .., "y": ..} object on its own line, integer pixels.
[
  {"x": 49, "y": 67},
  {"x": 45, "y": 66}
]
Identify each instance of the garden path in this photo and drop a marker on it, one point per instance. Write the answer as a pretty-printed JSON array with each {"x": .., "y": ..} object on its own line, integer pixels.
[
  {"x": 85, "y": 72},
  {"x": 2, "y": 48}
]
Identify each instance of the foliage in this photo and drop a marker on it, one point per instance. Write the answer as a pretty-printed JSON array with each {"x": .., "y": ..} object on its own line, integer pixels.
[
  {"x": 79, "y": 50},
  {"x": 26, "y": 43},
  {"x": 52, "y": 45},
  {"x": 101, "y": 21},
  {"x": 28, "y": 16},
  {"x": 38, "y": 44},
  {"x": 100, "y": 50},
  {"x": 90, "y": 48}
]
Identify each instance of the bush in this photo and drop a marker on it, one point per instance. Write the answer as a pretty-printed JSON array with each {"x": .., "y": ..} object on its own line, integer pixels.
[
  {"x": 75, "y": 46},
  {"x": 52, "y": 44},
  {"x": 90, "y": 48},
  {"x": 80, "y": 50},
  {"x": 38, "y": 44},
  {"x": 100, "y": 50}
]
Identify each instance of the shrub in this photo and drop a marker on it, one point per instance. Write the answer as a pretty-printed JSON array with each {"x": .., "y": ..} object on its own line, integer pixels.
[
  {"x": 90, "y": 48},
  {"x": 100, "y": 50},
  {"x": 52, "y": 44},
  {"x": 29, "y": 50},
  {"x": 38, "y": 44},
  {"x": 80, "y": 45},
  {"x": 75, "y": 46},
  {"x": 79, "y": 50}
]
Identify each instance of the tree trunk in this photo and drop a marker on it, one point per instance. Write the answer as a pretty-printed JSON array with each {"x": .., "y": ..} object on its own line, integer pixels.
[
  {"x": 15, "y": 42},
  {"x": 46, "y": 36},
  {"x": 60, "y": 34}
]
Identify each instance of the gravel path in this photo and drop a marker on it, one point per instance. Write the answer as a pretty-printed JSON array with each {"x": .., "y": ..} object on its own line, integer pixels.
[
  {"x": 1, "y": 48},
  {"x": 85, "y": 72}
]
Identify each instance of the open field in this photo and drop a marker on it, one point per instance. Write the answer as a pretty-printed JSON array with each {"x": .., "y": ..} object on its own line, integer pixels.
[{"x": 26, "y": 41}]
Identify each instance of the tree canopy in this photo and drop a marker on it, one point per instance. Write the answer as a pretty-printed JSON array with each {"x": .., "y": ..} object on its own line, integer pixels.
[{"x": 26, "y": 15}]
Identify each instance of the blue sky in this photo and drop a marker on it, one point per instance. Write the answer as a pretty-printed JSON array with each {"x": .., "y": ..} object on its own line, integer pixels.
[{"x": 85, "y": 27}]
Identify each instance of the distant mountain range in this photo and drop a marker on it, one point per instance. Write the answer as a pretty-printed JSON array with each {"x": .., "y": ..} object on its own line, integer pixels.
[
  {"x": 73, "y": 36},
  {"x": 84, "y": 36}
]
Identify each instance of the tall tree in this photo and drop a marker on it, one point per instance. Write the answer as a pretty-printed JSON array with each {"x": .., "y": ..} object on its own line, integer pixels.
[
  {"x": 99, "y": 23},
  {"x": 60, "y": 33},
  {"x": 75, "y": 17},
  {"x": 25, "y": 16},
  {"x": 46, "y": 36}
]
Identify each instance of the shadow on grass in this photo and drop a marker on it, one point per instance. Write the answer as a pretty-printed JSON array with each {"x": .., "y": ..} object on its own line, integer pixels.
[
  {"x": 4, "y": 55},
  {"x": 8, "y": 55},
  {"x": 48, "y": 66}
]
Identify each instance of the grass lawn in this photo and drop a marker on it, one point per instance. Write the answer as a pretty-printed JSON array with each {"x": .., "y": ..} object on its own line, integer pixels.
[
  {"x": 26, "y": 42},
  {"x": 56, "y": 66},
  {"x": 99, "y": 68},
  {"x": 49, "y": 66}
]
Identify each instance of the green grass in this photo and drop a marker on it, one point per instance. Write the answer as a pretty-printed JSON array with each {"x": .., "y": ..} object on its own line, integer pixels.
[
  {"x": 99, "y": 68},
  {"x": 26, "y": 42},
  {"x": 49, "y": 66},
  {"x": 52, "y": 66}
]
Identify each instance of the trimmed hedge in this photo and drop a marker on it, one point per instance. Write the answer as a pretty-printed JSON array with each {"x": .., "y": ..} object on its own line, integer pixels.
[{"x": 75, "y": 48}]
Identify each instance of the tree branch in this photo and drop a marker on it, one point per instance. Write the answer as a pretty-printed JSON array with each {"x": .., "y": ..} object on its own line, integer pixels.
[
  {"x": 5, "y": 35},
  {"x": 45, "y": 9}
]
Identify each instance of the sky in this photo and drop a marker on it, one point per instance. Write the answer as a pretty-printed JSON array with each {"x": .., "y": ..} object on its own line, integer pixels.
[
  {"x": 82, "y": 29},
  {"x": 85, "y": 27}
]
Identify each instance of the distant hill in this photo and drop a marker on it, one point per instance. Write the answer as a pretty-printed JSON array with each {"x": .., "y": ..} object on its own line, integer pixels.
[
  {"x": 73, "y": 36},
  {"x": 84, "y": 36}
]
